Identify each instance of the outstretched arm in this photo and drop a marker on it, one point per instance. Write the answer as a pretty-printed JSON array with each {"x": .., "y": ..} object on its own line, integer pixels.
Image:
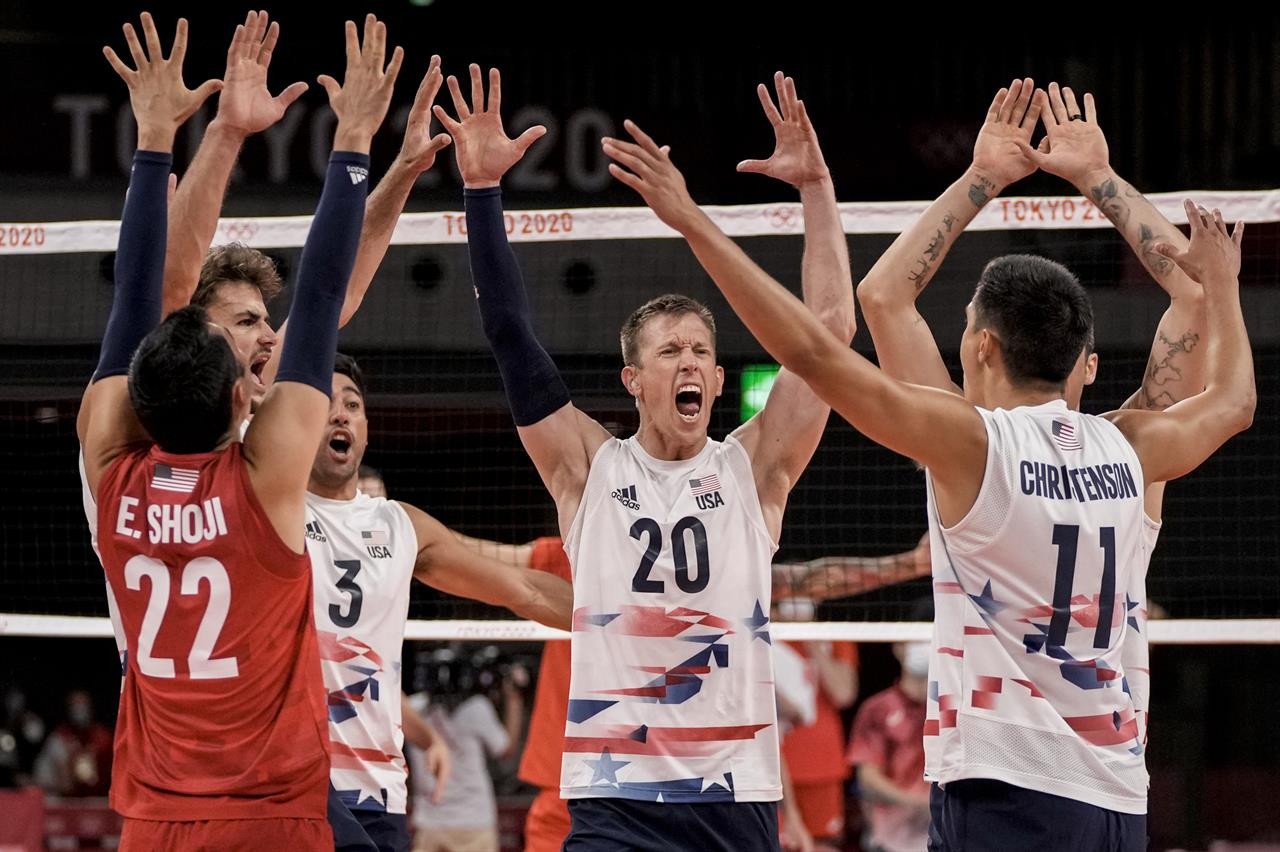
[
  {"x": 445, "y": 563},
  {"x": 830, "y": 577},
  {"x": 904, "y": 344},
  {"x": 782, "y": 438},
  {"x": 935, "y": 428},
  {"x": 245, "y": 107},
  {"x": 161, "y": 102},
  {"x": 1174, "y": 442},
  {"x": 282, "y": 439},
  {"x": 559, "y": 438}
]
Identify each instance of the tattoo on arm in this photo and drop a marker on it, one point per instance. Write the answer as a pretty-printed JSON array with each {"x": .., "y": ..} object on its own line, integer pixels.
[
  {"x": 948, "y": 222},
  {"x": 920, "y": 276},
  {"x": 1108, "y": 199},
  {"x": 980, "y": 192},
  {"x": 1163, "y": 370},
  {"x": 1156, "y": 262}
]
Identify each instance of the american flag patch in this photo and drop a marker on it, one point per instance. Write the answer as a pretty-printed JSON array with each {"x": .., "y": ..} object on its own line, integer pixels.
[
  {"x": 705, "y": 485},
  {"x": 371, "y": 537},
  {"x": 1064, "y": 435},
  {"x": 168, "y": 478}
]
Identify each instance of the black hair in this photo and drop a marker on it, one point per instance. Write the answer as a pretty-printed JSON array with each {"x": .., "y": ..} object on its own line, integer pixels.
[
  {"x": 347, "y": 366},
  {"x": 1039, "y": 311},
  {"x": 181, "y": 380}
]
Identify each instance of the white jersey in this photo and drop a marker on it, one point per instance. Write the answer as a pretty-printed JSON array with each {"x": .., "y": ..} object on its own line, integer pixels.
[
  {"x": 1026, "y": 678},
  {"x": 671, "y": 696},
  {"x": 362, "y": 557},
  {"x": 1136, "y": 657}
]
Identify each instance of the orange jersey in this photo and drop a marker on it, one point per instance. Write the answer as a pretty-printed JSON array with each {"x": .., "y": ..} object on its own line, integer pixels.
[
  {"x": 816, "y": 752},
  {"x": 222, "y": 709},
  {"x": 540, "y": 763}
]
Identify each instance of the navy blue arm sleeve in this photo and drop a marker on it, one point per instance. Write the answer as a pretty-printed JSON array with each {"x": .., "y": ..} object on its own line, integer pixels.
[
  {"x": 533, "y": 384},
  {"x": 323, "y": 272},
  {"x": 139, "y": 272}
]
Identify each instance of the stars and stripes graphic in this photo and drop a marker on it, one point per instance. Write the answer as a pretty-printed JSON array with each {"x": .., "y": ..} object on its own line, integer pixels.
[
  {"x": 1064, "y": 435},
  {"x": 372, "y": 537},
  {"x": 704, "y": 485},
  {"x": 168, "y": 478}
]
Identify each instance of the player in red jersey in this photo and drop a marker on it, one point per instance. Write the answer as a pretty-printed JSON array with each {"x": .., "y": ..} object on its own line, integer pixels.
[{"x": 221, "y": 741}]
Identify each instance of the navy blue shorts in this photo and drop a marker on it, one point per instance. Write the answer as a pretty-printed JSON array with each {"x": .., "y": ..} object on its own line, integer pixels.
[
  {"x": 608, "y": 824},
  {"x": 978, "y": 814},
  {"x": 356, "y": 830}
]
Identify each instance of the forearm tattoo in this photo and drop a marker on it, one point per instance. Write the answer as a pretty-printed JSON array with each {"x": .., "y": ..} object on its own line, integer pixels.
[
  {"x": 1154, "y": 260},
  {"x": 1107, "y": 199},
  {"x": 980, "y": 192}
]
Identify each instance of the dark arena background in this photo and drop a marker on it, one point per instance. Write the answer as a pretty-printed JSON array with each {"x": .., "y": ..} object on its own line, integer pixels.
[{"x": 1188, "y": 106}]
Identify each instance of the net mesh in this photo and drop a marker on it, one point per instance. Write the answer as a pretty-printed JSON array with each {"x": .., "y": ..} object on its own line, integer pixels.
[{"x": 442, "y": 438}]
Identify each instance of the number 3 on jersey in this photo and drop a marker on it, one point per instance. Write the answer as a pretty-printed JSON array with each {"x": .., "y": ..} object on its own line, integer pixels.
[
  {"x": 200, "y": 665},
  {"x": 680, "y": 555}
]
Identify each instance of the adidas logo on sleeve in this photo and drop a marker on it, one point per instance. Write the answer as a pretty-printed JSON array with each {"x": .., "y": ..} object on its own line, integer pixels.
[
  {"x": 627, "y": 497},
  {"x": 358, "y": 174}
]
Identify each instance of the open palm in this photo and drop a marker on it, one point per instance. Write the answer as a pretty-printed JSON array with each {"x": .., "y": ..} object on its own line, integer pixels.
[
  {"x": 483, "y": 149},
  {"x": 999, "y": 152},
  {"x": 796, "y": 158}
]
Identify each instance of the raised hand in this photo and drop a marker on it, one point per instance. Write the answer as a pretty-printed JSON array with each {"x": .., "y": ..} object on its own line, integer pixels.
[
  {"x": 361, "y": 101},
  {"x": 652, "y": 174},
  {"x": 1074, "y": 147},
  {"x": 1213, "y": 257},
  {"x": 484, "y": 150},
  {"x": 161, "y": 101},
  {"x": 796, "y": 158},
  {"x": 1000, "y": 152},
  {"x": 245, "y": 104},
  {"x": 419, "y": 148}
]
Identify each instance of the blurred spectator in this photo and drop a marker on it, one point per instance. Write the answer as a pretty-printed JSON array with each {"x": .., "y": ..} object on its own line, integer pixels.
[
  {"x": 887, "y": 749},
  {"x": 371, "y": 482},
  {"x": 465, "y": 817},
  {"x": 76, "y": 759},
  {"x": 21, "y": 735}
]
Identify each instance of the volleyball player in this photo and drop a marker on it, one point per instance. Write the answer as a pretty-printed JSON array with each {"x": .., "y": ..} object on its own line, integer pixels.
[
  {"x": 364, "y": 552},
  {"x": 1075, "y": 149},
  {"x": 220, "y": 739},
  {"x": 672, "y": 737},
  {"x": 1036, "y": 518}
]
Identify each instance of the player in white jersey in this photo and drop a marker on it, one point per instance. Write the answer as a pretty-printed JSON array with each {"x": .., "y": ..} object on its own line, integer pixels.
[
  {"x": 364, "y": 553},
  {"x": 672, "y": 736},
  {"x": 1077, "y": 151},
  {"x": 1035, "y": 514}
]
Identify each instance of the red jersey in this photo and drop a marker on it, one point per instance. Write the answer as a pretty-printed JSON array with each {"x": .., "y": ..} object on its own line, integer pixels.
[
  {"x": 540, "y": 763},
  {"x": 222, "y": 710},
  {"x": 815, "y": 753}
]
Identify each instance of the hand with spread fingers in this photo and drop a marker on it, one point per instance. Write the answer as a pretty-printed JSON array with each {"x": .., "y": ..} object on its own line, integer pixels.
[
  {"x": 796, "y": 158},
  {"x": 1011, "y": 119},
  {"x": 361, "y": 101},
  {"x": 1074, "y": 146},
  {"x": 245, "y": 104},
  {"x": 483, "y": 149},
  {"x": 419, "y": 148},
  {"x": 1213, "y": 257},
  {"x": 161, "y": 101},
  {"x": 648, "y": 169}
]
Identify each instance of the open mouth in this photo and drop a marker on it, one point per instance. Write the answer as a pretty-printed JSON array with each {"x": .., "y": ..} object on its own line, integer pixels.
[
  {"x": 256, "y": 366},
  {"x": 340, "y": 441},
  {"x": 689, "y": 402}
]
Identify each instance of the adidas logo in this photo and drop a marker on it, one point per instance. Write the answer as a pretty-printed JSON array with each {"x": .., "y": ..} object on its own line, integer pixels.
[
  {"x": 358, "y": 174},
  {"x": 627, "y": 497},
  {"x": 315, "y": 533}
]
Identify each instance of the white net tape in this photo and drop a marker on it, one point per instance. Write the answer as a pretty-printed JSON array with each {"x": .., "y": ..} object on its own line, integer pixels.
[{"x": 632, "y": 223}]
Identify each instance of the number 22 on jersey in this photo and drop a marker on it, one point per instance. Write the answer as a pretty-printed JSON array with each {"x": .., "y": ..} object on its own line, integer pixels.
[{"x": 200, "y": 663}]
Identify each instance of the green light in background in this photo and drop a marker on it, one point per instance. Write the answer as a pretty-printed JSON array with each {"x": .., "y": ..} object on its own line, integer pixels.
[{"x": 757, "y": 380}]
